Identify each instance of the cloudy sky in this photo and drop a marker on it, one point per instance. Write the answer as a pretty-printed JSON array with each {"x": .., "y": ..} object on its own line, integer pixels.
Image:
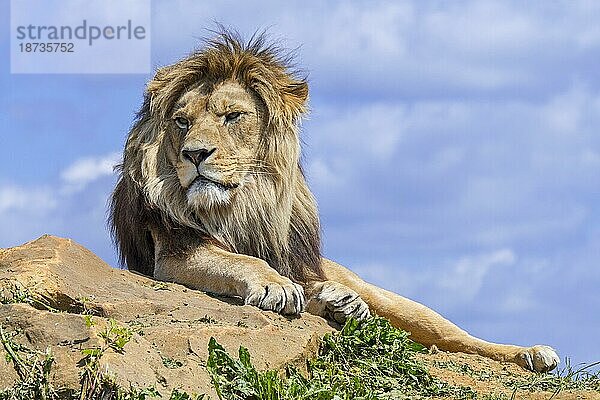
[{"x": 454, "y": 149}]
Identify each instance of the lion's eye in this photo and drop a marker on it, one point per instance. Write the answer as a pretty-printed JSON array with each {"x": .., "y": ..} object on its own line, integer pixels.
[
  {"x": 232, "y": 116},
  {"x": 182, "y": 123}
]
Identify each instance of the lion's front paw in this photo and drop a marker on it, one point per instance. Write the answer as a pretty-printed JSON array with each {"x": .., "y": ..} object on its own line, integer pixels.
[
  {"x": 539, "y": 358},
  {"x": 284, "y": 296},
  {"x": 337, "y": 302}
]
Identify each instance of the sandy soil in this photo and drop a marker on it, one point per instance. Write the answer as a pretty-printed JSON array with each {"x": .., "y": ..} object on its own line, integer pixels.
[{"x": 501, "y": 381}]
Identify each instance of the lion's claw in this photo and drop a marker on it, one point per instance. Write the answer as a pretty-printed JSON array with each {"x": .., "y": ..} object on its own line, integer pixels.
[
  {"x": 284, "y": 298},
  {"x": 539, "y": 358},
  {"x": 338, "y": 302}
]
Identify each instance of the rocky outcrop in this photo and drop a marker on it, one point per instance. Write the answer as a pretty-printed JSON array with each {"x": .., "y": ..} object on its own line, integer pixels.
[{"x": 49, "y": 288}]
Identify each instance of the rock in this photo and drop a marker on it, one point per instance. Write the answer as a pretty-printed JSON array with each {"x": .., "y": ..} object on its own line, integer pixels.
[{"x": 50, "y": 286}]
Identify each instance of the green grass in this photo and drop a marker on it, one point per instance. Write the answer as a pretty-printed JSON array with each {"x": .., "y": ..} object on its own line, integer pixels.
[
  {"x": 33, "y": 369},
  {"x": 95, "y": 384},
  {"x": 366, "y": 360},
  {"x": 171, "y": 363},
  {"x": 14, "y": 292},
  {"x": 567, "y": 378}
]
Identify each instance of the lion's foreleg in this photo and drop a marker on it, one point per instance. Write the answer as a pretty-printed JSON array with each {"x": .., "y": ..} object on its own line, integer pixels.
[
  {"x": 335, "y": 301},
  {"x": 429, "y": 328},
  {"x": 212, "y": 269}
]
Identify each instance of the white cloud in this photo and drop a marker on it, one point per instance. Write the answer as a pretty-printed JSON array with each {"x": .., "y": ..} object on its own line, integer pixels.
[
  {"x": 564, "y": 112},
  {"x": 517, "y": 301},
  {"x": 491, "y": 174},
  {"x": 379, "y": 29},
  {"x": 590, "y": 158},
  {"x": 480, "y": 26},
  {"x": 452, "y": 285},
  {"x": 319, "y": 172},
  {"x": 86, "y": 170},
  {"x": 34, "y": 200},
  {"x": 44, "y": 199},
  {"x": 371, "y": 131},
  {"x": 392, "y": 277},
  {"x": 465, "y": 278},
  {"x": 406, "y": 47},
  {"x": 62, "y": 207}
]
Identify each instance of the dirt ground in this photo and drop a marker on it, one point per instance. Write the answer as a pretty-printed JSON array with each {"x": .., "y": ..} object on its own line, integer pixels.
[{"x": 502, "y": 381}]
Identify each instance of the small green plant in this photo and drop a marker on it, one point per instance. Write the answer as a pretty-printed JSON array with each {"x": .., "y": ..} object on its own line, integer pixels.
[
  {"x": 85, "y": 306},
  {"x": 14, "y": 292},
  {"x": 171, "y": 363},
  {"x": 138, "y": 326},
  {"x": 367, "y": 360},
  {"x": 160, "y": 286},
  {"x": 33, "y": 369},
  {"x": 179, "y": 395},
  {"x": 567, "y": 378},
  {"x": 115, "y": 336},
  {"x": 207, "y": 319},
  {"x": 93, "y": 382},
  {"x": 89, "y": 320},
  {"x": 495, "y": 396}
]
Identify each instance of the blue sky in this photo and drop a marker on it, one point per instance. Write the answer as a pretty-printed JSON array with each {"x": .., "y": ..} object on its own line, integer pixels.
[{"x": 454, "y": 149}]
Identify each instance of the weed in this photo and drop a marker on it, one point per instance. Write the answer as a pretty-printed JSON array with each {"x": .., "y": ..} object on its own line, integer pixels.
[
  {"x": 89, "y": 320},
  {"x": 366, "y": 360},
  {"x": 115, "y": 336},
  {"x": 85, "y": 306},
  {"x": 495, "y": 396},
  {"x": 208, "y": 320},
  {"x": 482, "y": 375},
  {"x": 565, "y": 379},
  {"x": 14, "y": 292},
  {"x": 171, "y": 363},
  {"x": 138, "y": 326},
  {"x": 33, "y": 371},
  {"x": 93, "y": 382},
  {"x": 160, "y": 286}
]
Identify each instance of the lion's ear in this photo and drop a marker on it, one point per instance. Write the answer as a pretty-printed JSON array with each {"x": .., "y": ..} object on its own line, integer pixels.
[
  {"x": 163, "y": 88},
  {"x": 295, "y": 97}
]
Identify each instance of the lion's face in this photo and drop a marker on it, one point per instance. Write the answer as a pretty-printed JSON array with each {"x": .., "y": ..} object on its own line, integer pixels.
[{"x": 213, "y": 139}]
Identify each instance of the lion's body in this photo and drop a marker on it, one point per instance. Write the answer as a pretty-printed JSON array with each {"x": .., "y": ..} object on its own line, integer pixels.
[{"x": 212, "y": 195}]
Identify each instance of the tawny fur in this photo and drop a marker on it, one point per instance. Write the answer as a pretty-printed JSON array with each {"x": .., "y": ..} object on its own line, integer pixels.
[
  {"x": 276, "y": 220},
  {"x": 257, "y": 235}
]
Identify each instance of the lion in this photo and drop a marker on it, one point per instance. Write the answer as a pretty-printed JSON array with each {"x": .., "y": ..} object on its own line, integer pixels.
[{"x": 211, "y": 194}]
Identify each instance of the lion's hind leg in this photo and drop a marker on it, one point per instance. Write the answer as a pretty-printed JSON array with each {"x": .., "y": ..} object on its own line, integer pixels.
[
  {"x": 429, "y": 328},
  {"x": 335, "y": 301}
]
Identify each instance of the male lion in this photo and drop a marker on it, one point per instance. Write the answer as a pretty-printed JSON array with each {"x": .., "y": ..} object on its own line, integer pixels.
[{"x": 212, "y": 195}]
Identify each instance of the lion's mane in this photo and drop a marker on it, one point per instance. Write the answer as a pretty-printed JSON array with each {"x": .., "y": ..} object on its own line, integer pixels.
[{"x": 275, "y": 220}]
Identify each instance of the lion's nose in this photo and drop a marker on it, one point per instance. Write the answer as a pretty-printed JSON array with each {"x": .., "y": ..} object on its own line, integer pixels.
[{"x": 197, "y": 156}]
